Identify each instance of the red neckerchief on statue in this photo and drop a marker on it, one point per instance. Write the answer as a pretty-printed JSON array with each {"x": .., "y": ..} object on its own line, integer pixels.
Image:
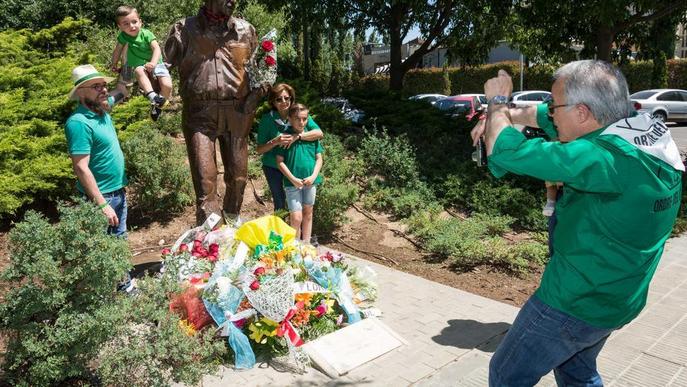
[{"x": 214, "y": 18}]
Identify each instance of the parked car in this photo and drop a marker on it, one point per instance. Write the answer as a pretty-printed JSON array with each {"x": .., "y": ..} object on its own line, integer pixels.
[
  {"x": 430, "y": 98},
  {"x": 530, "y": 97},
  {"x": 481, "y": 97},
  {"x": 665, "y": 104},
  {"x": 349, "y": 111},
  {"x": 459, "y": 106}
]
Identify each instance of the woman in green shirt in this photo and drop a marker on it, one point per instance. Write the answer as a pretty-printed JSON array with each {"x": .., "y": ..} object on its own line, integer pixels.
[{"x": 272, "y": 134}]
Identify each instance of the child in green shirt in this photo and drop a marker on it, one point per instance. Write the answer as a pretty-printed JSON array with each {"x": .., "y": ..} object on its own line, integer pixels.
[
  {"x": 143, "y": 56},
  {"x": 300, "y": 164}
]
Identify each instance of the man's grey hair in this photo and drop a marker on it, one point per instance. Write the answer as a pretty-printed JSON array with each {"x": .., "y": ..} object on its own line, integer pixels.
[{"x": 600, "y": 86}]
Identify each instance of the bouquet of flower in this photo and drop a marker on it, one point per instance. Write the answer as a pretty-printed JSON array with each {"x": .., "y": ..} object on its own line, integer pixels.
[
  {"x": 262, "y": 68},
  {"x": 268, "y": 292}
]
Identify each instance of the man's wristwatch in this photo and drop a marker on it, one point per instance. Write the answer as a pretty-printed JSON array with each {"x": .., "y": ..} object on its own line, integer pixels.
[{"x": 498, "y": 100}]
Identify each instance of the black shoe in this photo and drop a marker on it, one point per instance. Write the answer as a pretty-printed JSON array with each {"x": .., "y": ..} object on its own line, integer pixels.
[
  {"x": 159, "y": 101},
  {"x": 155, "y": 112}
]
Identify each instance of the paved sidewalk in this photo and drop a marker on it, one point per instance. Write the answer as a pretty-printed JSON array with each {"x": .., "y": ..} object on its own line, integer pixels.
[{"x": 452, "y": 334}]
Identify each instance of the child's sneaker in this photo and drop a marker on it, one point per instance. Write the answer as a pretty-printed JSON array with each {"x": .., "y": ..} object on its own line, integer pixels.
[
  {"x": 160, "y": 101},
  {"x": 549, "y": 208},
  {"x": 155, "y": 112}
]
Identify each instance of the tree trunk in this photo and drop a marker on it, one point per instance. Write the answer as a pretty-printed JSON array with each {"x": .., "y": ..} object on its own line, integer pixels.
[
  {"x": 396, "y": 72},
  {"x": 306, "y": 52},
  {"x": 604, "y": 43}
]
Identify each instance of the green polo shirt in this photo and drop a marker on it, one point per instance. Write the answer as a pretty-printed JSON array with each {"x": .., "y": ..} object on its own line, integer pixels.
[
  {"x": 139, "y": 51},
  {"x": 91, "y": 134},
  {"x": 300, "y": 158},
  {"x": 618, "y": 208},
  {"x": 271, "y": 125}
]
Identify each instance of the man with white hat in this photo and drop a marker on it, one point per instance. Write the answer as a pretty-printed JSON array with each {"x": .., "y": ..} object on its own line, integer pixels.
[{"x": 94, "y": 149}]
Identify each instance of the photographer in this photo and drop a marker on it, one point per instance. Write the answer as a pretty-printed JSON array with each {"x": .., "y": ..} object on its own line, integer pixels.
[{"x": 621, "y": 176}]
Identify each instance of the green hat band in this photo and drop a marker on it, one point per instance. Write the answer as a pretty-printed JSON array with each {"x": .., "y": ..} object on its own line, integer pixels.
[{"x": 89, "y": 76}]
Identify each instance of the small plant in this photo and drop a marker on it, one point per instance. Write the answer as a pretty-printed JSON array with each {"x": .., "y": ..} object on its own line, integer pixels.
[
  {"x": 157, "y": 172},
  {"x": 63, "y": 281}
]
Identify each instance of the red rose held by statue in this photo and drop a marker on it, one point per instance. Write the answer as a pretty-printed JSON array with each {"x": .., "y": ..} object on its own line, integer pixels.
[
  {"x": 267, "y": 45},
  {"x": 270, "y": 61}
]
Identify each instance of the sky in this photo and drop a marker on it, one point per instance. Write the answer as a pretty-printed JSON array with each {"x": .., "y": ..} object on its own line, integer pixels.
[{"x": 412, "y": 34}]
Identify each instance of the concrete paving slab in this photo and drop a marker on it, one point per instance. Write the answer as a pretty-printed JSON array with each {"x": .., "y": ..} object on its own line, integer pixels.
[{"x": 452, "y": 335}]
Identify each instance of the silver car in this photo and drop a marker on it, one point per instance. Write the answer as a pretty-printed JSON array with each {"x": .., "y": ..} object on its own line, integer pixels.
[
  {"x": 666, "y": 104},
  {"x": 530, "y": 97}
]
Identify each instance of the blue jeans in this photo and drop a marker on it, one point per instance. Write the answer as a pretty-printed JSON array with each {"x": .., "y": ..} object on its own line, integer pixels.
[
  {"x": 543, "y": 339},
  {"x": 117, "y": 200},
  {"x": 296, "y": 198},
  {"x": 275, "y": 180}
]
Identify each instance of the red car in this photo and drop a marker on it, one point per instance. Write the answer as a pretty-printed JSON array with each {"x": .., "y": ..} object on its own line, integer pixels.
[{"x": 459, "y": 106}]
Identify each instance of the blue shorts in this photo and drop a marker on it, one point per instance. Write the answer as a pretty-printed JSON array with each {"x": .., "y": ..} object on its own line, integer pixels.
[
  {"x": 296, "y": 198},
  {"x": 127, "y": 74}
]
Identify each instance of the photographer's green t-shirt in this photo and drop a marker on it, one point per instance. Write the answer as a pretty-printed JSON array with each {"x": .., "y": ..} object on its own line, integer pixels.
[{"x": 618, "y": 208}]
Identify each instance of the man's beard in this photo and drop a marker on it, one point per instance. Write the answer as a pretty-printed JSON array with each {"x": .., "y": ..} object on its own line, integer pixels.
[{"x": 99, "y": 108}]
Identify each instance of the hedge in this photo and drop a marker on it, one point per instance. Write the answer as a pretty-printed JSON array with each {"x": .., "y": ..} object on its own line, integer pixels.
[{"x": 471, "y": 79}]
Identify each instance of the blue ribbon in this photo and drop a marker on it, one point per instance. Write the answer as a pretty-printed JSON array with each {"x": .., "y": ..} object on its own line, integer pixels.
[{"x": 331, "y": 279}]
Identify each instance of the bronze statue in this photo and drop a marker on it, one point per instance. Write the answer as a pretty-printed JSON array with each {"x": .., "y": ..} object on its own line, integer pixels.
[{"x": 210, "y": 51}]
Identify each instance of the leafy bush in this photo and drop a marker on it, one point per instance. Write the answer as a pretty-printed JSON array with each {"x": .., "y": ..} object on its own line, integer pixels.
[
  {"x": 63, "y": 316},
  {"x": 57, "y": 311},
  {"x": 475, "y": 241},
  {"x": 147, "y": 346},
  {"x": 157, "y": 172},
  {"x": 498, "y": 198},
  {"x": 538, "y": 77},
  {"x": 338, "y": 192},
  {"x": 389, "y": 158}
]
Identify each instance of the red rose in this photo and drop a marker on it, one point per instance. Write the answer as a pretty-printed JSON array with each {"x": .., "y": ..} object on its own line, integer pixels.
[
  {"x": 270, "y": 61},
  {"x": 267, "y": 45},
  {"x": 259, "y": 271},
  {"x": 255, "y": 285},
  {"x": 214, "y": 247},
  {"x": 166, "y": 251},
  {"x": 212, "y": 258},
  {"x": 183, "y": 247},
  {"x": 321, "y": 310}
]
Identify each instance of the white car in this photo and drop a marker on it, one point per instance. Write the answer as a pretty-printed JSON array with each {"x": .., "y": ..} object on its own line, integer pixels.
[
  {"x": 666, "y": 104},
  {"x": 430, "y": 98},
  {"x": 530, "y": 97},
  {"x": 481, "y": 97}
]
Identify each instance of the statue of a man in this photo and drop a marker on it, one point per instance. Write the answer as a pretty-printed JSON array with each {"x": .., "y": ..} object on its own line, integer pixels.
[{"x": 210, "y": 51}]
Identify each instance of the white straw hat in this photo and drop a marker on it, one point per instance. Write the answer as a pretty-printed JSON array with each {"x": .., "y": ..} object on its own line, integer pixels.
[{"x": 85, "y": 73}]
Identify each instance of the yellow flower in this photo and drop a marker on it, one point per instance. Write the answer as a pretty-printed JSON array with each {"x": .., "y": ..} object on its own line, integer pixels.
[
  {"x": 330, "y": 305},
  {"x": 187, "y": 328},
  {"x": 262, "y": 329}
]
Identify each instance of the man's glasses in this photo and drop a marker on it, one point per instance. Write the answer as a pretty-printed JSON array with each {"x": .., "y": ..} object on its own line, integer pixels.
[
  {"x": 282, "y": 99},
  {"x": 98, "y": 87},
  {"x": 552, "y": 108}
]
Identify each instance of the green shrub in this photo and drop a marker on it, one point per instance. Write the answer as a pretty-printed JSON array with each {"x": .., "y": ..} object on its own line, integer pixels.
[
  {"x": 659, "y": 75},
  {"x": 62, "y": 281},
  {"x": 538, "y": 77},
  {"x": 476, "y": 241},
  {"x": 677, "y": 73},
  {"x": 147, "y": 347},
  {"x": 157, "y": 172},
  {"x": 497, "y": 198},
  {"x": 338, "y": 192},
  {"x": 389, "y": 158}
]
